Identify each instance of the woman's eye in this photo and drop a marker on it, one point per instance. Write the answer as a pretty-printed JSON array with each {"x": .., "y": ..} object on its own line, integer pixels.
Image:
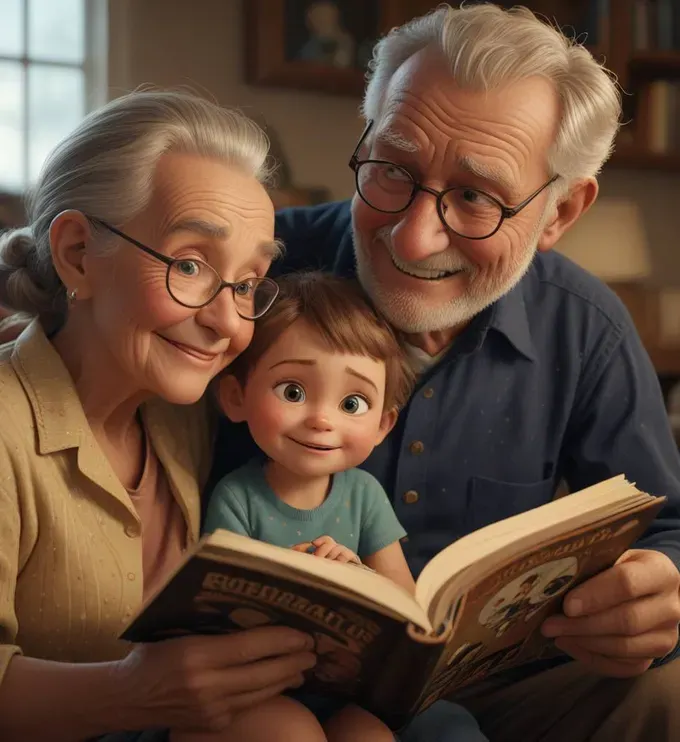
[
  {"x": 288, "y": 391},
  {"x": 187, "y": 267},
  {"x": 354, "y": 405},
  {"x": 244, "y": 287}
]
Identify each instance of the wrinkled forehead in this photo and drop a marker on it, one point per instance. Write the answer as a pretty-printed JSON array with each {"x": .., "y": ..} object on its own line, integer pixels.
[{"x": 424, "y": 107}]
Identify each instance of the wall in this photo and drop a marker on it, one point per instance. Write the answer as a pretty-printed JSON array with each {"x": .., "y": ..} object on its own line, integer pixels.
[{"x": 200, "y": 44}]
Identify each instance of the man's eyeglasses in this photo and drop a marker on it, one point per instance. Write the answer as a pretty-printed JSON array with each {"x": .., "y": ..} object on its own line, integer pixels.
[
  {"x": 194, "y": 284},
  {"x": 468, "y": 212}
]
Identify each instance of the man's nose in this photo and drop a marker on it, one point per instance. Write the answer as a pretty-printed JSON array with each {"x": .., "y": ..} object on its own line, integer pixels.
[{"x": 420, "y": 233}]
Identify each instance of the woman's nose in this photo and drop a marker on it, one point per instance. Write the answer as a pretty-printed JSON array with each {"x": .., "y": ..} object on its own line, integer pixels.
[{"x": 221, "y": 316}]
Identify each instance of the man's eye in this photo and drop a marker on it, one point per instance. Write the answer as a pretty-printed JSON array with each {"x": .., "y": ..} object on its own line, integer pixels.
[
  {"x": 354, "y": 405},
  {"x": 288, "y": 391},
  {"x": 470, "y": 196}
]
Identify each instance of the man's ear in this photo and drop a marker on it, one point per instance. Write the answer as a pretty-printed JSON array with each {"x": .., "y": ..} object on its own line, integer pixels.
[
  {"x": 580, "y": 198},
  {"x": 387, "y": 422},
  {"x": 70, "y": 231},
  {"x": 231, "y": 398}
]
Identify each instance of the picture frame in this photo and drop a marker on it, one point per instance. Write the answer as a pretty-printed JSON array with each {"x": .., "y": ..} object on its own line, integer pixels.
[{"x": 315, "y": 45}]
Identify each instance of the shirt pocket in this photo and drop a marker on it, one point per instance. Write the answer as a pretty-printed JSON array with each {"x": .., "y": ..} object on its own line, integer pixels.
[{"x": 491, "y": 500}]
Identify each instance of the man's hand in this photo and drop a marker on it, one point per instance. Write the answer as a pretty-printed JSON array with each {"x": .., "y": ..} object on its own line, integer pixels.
[
  {"x": 328, "y": 548},
  {"x": 618, "y": 622}
]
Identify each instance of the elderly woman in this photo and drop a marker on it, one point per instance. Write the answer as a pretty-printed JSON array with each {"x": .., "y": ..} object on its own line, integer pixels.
[{"x": 144, "y": 265}]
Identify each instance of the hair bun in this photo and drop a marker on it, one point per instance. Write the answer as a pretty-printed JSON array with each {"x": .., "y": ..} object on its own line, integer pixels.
[{"x": 20, "y": 286}]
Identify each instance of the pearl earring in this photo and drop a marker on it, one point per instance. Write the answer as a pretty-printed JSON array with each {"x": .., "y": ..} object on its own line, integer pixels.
[{"x": 72, "y": 295}]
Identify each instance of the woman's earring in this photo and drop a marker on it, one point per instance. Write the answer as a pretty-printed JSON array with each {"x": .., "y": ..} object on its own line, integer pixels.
[{"x": 72, "y": 294}]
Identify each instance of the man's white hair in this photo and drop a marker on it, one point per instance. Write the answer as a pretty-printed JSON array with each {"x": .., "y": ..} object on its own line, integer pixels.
[{"x": 487, "y": 47}]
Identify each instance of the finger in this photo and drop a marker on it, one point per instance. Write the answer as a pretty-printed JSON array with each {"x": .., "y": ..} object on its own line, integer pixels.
[
  {"x": 343, "y": 556},
  {"x": 324, "y": 550},
  {"x": 644, "y": 647},
  {"x": 304, "y": 547},
  {"x": 230, "y": 705},
  {"x": 629, "y": 619},
  {"x": 261, "y": 674},
  {"x": 337, "y": 552},
  {"x": 250, "y": 646},
  {"x": 246, "y": 700},
  {"x": 323, "y": 540},
  {"x": 637, "y": 574},
  {"x": 601, "y": 665}
]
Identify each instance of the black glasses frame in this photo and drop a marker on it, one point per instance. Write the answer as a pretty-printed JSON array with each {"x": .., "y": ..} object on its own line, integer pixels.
[
  {"x": 507, "y": 212},
  {"x": 169, "y": 262}
]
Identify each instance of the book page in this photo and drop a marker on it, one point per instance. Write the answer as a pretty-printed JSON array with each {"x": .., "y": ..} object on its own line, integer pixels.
[{"x": 451, "y": 566}]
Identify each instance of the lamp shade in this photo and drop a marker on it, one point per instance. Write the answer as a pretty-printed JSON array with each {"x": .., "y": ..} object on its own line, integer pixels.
[{"x": 609, "y": 241}]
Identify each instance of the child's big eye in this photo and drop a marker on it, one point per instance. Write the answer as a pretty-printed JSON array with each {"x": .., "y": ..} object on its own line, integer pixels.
[
  {"x": 288, "y": 391},
  {"x": 354, "y": 405}
]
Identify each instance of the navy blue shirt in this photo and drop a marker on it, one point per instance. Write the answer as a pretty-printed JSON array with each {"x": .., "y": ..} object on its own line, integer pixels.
[{"x": 550, "y": 383}]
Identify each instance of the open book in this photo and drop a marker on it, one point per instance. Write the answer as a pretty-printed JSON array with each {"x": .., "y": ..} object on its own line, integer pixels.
[{"x": 477, "y": 607}]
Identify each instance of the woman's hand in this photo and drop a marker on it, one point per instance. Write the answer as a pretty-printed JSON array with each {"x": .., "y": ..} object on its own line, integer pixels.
[{"x": 198, "y": 683}]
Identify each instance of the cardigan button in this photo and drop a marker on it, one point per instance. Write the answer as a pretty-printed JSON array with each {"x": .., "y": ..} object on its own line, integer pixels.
[{"x": 133, "y": 530}]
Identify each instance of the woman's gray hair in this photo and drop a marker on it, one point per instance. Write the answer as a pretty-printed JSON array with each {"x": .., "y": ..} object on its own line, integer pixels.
[
  {"x": 486, "y": 47},
  {"x": 105, "y": 168}
]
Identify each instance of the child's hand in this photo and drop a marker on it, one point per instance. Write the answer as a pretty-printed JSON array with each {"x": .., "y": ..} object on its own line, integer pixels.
[{"x": 328, "y": 548}]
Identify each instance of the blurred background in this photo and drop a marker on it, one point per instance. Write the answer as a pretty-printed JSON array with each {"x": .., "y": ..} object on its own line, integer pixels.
[{"x": 297, "y": 66}]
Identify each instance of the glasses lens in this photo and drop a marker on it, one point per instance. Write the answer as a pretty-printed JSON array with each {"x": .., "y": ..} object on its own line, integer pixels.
[
  {"x": 192, "y": 282},
  {"x": 471, "y": 213},
  {"x": 384, "y": 186},
  {"x": 254, "y": 296}
]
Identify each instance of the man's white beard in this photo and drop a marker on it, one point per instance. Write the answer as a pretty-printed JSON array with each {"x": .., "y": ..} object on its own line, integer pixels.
[{"x": 408, "y": 312}]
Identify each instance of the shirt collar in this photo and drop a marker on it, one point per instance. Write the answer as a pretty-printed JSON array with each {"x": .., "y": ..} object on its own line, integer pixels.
[
  {"x": 59, "y": 418},
  {"x": 510, "y": 318}
]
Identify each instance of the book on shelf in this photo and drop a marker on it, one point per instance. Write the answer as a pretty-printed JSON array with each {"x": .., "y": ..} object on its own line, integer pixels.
[
  {"x": 656, "y": 25},
  {"x": 477, "y": 607}
]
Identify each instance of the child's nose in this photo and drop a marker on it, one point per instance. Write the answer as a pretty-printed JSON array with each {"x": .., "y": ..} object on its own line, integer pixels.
[{"x": 319, "y": 419}]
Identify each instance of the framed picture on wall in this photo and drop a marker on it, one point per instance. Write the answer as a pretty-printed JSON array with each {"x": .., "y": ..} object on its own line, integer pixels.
[{"x": 320, "y": 45}]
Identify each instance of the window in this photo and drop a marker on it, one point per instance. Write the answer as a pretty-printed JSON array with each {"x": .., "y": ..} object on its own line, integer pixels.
[{"x": 52, "y": 71}]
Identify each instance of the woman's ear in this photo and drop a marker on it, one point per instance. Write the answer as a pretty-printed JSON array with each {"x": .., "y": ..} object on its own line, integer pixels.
[
  {"x": 387, "y": 422},
  {"x": 69, "y": 233},
  {"x": 231, "y": 398}
]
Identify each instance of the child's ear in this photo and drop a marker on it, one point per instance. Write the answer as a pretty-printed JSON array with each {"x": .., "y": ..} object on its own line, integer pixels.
[
  {"x": 387, "y": 422},
  {"x": 231, "y": 399}
]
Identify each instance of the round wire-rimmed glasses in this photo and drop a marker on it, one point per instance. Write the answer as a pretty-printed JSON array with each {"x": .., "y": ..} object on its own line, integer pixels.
[
  {"x": 468, "y": 212},
  {"x": 194, "y": 283}
]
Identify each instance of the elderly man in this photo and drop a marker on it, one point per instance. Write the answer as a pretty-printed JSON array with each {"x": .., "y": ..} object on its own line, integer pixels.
[{"x": 485, "y": 130}]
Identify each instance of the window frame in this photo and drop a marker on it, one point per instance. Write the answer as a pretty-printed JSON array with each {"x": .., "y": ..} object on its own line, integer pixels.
[{"x": 94, "y": 67}]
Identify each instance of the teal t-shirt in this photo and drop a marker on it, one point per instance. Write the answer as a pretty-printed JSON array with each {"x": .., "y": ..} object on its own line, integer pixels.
[{"x": 356, "y": 512}]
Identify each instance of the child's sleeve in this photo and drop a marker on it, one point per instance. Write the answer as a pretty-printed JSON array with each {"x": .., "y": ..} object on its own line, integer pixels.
[
  {"x": 380, "y": 526},
  {"x": 226, "y": 509}
]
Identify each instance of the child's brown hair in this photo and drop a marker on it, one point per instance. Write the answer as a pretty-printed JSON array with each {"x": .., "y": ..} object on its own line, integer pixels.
[{"x": 346, "y": 322}]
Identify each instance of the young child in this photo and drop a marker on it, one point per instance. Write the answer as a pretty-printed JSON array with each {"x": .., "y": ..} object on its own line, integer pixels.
[{"x": 319, "y": 386}]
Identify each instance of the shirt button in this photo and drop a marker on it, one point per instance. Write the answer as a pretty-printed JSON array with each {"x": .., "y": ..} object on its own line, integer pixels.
[
  {"x": 411, "y": 497},
  {"x": 416, "y": 448},
  {"x": 131, "y": 576},
  {"x": 428, "y": 393},
  {"x": 133, "y": 530}
]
